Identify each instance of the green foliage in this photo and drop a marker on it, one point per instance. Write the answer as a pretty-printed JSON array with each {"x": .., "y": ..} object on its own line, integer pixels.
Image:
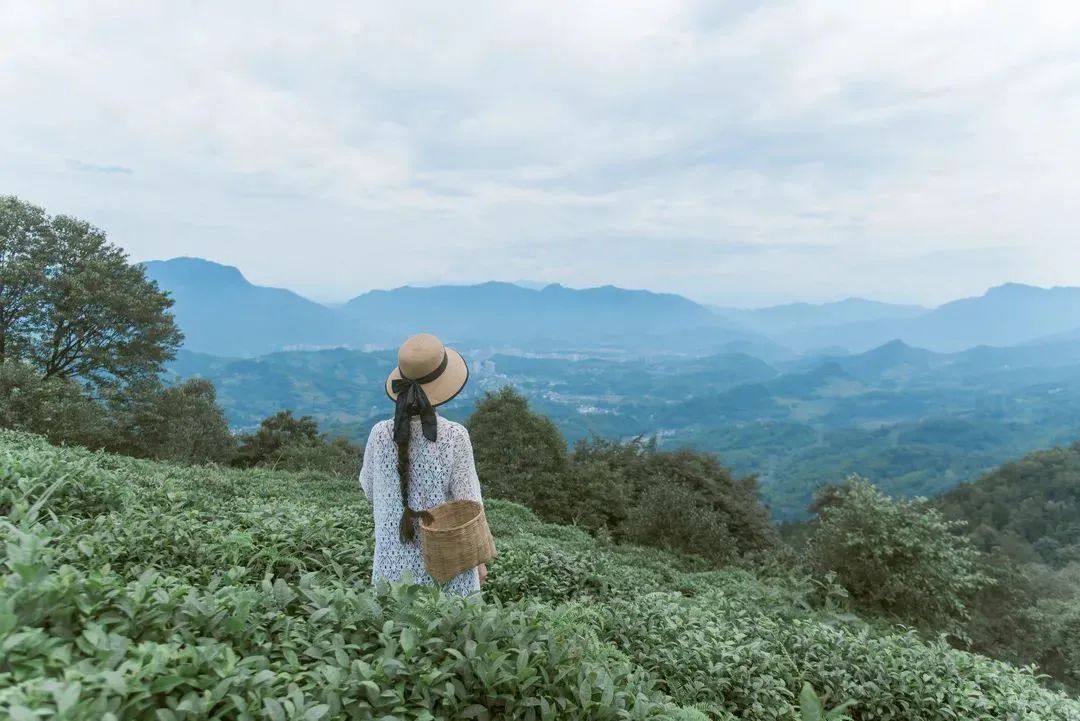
[
  {"x": 897, "y": 558},
  {"x": 294, "y": 444},
  {"x": 682, "y": 500},
  {"x": 719, "y": 652},
  {"x": 535, "y": 568},
  {"x": 180, "y": 423},
  {"x": 1027, "y": 509},
  {"x": 72, "y": 306},
  {"x": 137, "y": 589},
  {"x": 811, "y": 707},
  {"x": 519, "y": 455},
  {"x": 56, "y": 408},
  {"x": 673, "y": 517},
  {"x": 22, "y": 231},
  {"x": 1030, "y": 616},
  {"x": 144, "y": 419}
]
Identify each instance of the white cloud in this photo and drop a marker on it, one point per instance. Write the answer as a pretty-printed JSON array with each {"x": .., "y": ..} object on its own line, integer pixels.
[{"x": 801, "y": 149}]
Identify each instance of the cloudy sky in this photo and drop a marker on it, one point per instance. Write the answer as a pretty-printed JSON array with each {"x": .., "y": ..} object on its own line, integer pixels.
[{"x": 733, "y": 151}]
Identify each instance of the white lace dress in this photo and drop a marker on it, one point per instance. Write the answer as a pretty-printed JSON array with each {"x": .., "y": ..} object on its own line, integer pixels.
[{"x": 438, "y": 472}]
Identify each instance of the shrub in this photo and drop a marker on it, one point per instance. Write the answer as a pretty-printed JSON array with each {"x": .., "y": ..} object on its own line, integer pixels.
[
  {"x": 672, "y": 517},
  {"x": 746, "y": 661},
  {"x": 520, "y": 455},
  {"x": 180, "y": 423},
  {"x": 288, "y": 443},
  {"x": 896, "y": 557},
  {"x": 679, "y": 500},
  {"x": 91, "y": 645},
  {"x": 531, "y": 567},
  {"x": 56, "y": 408}
]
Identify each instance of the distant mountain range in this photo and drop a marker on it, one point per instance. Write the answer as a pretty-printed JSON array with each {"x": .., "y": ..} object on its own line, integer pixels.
[
  {"x": 1006, "y": 315},
  {"x": 780, "y": 319},
  {"x": 223, "y": 314}
]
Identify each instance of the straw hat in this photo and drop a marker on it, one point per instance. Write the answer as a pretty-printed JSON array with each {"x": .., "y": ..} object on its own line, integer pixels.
[{"x": 441, "y": 371}]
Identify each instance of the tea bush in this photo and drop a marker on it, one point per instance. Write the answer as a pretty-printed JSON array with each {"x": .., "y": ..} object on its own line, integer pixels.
[
  {"x": 753, "y": 662},
  {"x": 134, "y": 589}
]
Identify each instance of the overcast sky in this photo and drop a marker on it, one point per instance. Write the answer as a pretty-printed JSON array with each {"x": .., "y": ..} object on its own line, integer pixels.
[{"x": 732, "y": 151}]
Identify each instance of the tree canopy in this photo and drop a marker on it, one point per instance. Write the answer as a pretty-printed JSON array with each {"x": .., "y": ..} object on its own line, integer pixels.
[{"x": 72, "y": 306}]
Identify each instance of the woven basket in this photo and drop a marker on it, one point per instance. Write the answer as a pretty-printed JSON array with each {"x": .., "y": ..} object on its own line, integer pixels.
[{"x": 455, "y": 538}]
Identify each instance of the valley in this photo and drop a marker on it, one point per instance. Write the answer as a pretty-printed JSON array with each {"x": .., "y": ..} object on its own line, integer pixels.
[{"x": 915, "y": 422}]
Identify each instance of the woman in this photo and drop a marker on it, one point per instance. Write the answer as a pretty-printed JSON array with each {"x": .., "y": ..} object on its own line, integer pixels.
[{"x": 419, "y": 456}]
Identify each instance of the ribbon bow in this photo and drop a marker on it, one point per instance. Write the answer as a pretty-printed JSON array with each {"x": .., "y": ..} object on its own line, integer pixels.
[{"x": 413, "y": 401}]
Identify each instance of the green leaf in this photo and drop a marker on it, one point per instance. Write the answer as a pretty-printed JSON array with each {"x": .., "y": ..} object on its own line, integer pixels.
[
  {"x": 475, "y": 711},
  {"x": 809, "y": 705},
  {"x": 274, "y": 710},
  {"x": 316, "y": 712}
]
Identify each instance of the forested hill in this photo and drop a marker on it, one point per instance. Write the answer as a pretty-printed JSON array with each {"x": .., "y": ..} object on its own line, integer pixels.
[{"x": 1028, "y": 509}]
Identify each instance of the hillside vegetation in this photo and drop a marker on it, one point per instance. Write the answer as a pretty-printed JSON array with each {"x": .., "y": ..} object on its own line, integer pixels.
[
  {"x": 142, "y": 590},
  {"x": 1027, "y": 509}
]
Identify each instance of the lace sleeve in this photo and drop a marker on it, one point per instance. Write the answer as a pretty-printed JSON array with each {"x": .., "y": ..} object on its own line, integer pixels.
[
  {"x": 464, "y": 483},
  {"x": 367, "y": 469}
]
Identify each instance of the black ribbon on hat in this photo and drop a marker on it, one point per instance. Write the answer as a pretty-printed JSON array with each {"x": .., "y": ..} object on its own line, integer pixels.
[{"x": 413, "y": 401}]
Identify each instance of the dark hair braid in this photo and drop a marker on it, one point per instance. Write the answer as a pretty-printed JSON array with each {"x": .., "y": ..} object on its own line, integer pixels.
[{"x": 407, "y": 531}]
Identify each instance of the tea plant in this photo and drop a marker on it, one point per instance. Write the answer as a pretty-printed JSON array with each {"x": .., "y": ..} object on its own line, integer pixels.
[{"x": 138, "y": 590}]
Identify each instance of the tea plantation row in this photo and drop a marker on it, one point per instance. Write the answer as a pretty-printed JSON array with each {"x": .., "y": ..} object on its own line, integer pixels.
[{"x": 138, "y": 590}]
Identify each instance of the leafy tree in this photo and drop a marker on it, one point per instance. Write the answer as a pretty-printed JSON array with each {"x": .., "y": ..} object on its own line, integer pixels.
[
  {"x": 56, "y": 408},
  {"x": 275, "y": 433},
  {"x": 683, "y": 499},
  {"x": 289, "y": 443},
  {"x": 180, "y": 423},
  {"x": 897, "y": 558},
  {"x": 23, "y": 229},
  {"x": 520, "y": 455},
  {"x": 72, "y": 306}
]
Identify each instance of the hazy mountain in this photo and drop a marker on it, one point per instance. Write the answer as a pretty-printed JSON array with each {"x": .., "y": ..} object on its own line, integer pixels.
[
  {"x": 222, "y": 313},
  {"x": 892, "y": 360},
  {"x": 813, "y": 383},
  {"x": 1007, "y": 315},
  {"x": 780, "y": 319},
  {"x": 513, "y": 314}
]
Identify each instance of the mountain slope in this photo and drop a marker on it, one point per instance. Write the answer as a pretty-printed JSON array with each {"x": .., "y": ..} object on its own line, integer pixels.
[
  {"x": 1007, "y": 315},
  {"x": 221, "y": 313},
  {"x": 513, "y": 314},
  {"x": 775, "y": 320},
  {"x": 893, "y": 359},
  {"x": 1028, "y": 509}
]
